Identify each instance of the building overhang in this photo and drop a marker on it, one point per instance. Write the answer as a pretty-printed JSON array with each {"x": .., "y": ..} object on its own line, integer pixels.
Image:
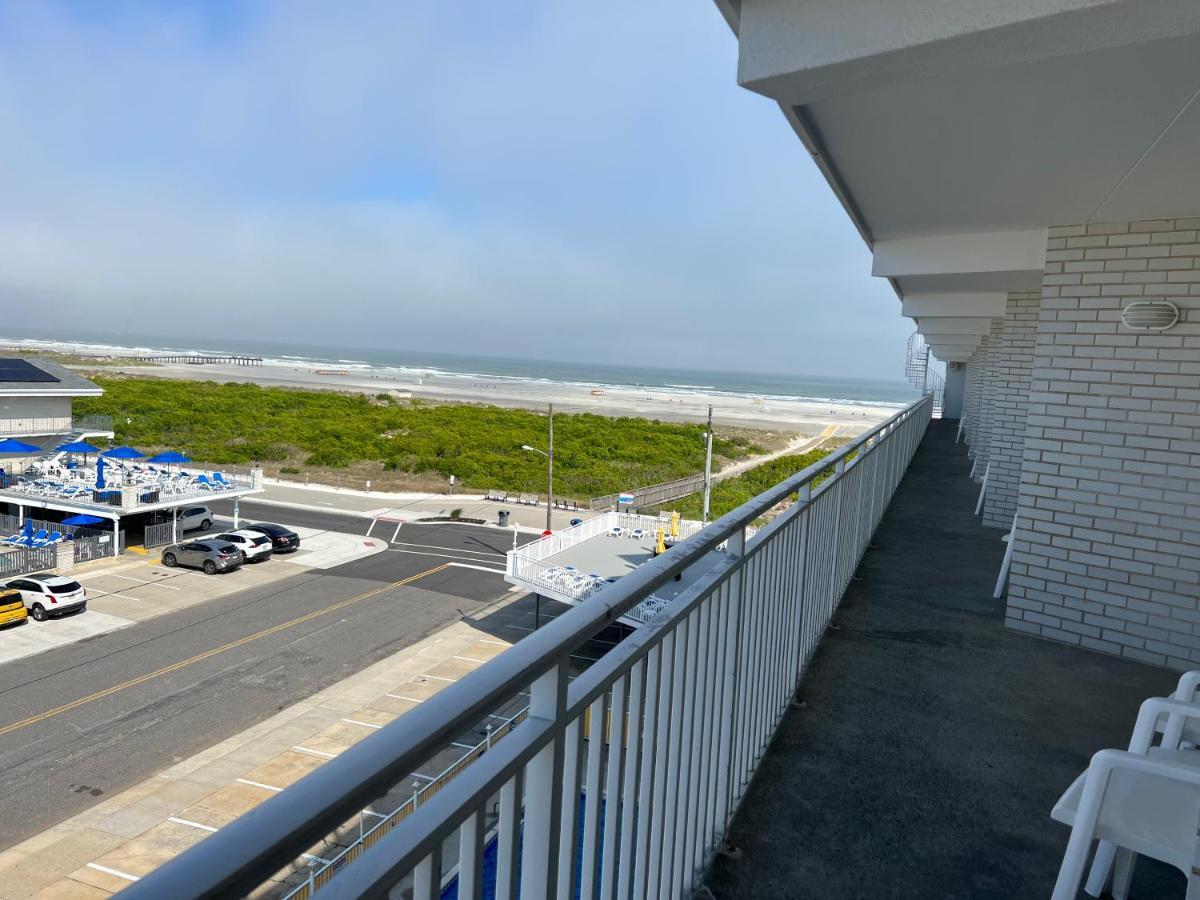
[{"x": 938, "y": 123}]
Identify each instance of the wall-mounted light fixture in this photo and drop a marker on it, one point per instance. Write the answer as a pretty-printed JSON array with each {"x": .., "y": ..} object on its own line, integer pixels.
[{"x": 1150, "y": 315}]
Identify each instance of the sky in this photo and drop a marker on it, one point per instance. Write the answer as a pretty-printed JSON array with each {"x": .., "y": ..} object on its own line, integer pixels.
[{"x": 543, "y": 179}]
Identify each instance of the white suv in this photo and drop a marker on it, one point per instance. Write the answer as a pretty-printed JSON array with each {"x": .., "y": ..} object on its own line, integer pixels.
[
  {"x": 49, "y": 595},
  {"x": 254, "y": 545},
  {"x": 196, "y": 517}
]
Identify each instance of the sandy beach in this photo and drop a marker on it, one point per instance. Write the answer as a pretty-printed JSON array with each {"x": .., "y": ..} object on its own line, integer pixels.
[
  {"x": 674, "y": 404},
  {"x": 748, "y": 412}
]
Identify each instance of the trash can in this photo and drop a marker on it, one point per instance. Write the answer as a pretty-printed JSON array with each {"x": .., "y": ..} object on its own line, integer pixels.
[{"x": 502, "y": 518}]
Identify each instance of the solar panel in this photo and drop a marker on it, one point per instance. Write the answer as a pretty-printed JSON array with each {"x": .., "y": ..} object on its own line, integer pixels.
[{"x": 22, "y": 370}]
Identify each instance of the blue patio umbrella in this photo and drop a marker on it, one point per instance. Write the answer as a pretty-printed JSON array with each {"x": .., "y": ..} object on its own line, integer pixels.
[
  {"x": 171, "y": 456},
  {"x": 12, "y": 445},
  {"x": 78, "y": 447},
  {"x": 123, "y": 453},
  {"x": 83, "y": 519},
  {"x": 100, "y": 472}
]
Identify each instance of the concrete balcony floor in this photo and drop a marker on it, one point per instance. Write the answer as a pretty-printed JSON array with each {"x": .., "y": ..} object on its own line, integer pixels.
[{"x": 933, "y": 741}]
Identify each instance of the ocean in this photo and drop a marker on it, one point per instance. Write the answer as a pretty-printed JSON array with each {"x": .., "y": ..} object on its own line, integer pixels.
[{"x": 589, "y": 374}]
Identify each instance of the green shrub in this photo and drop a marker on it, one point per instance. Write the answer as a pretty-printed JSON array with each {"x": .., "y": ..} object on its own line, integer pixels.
[{"x": 233, "y": 424}]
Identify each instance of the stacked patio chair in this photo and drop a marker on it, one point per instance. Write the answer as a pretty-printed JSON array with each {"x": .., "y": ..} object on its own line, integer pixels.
[{"x": 1144, "y": 800}]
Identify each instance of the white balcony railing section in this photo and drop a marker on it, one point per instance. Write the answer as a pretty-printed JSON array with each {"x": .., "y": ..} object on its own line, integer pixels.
[{"x": 635, "y": 809}]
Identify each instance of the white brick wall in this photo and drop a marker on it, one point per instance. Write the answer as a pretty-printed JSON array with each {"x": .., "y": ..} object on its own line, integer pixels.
[
  {"x": 1108, "y": 554},
  {"x": 1010, "y": 401}
]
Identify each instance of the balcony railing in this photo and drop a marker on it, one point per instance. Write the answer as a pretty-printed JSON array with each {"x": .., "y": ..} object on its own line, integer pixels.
[
  {"x": 691, "y": 700},
  {"x": 55, "y": 425}
]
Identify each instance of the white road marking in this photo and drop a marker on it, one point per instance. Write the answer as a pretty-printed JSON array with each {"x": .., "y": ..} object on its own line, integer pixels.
[
  {"x": 369, "y": 527},
  {"x": 371, "y": 812},
  {"x": 497, "y": 643},
  {"x": 462, "y": 746},
  {"x": 452, "y": 549},
  {"x": 440, "y": 678},
  {"x": 321, "y": 753},
  {"x": 259, "y": 784},
  {"x": 396, "y": 533},
  {"x": 107, "y": 871},
  {"x": 363, "y": 724},
  {"x": 179, "y": 821},
  {"x": 314, "y": 858},
  {"x": 399, "y": 697},
  {"x": 459, "y": 565},
  {"x": 470, "y": 659},
  {"x": 470, "y": 559}
]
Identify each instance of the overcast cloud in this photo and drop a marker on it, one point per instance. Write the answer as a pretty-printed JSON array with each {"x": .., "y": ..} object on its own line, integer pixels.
[{"x": 566, "y": 180}]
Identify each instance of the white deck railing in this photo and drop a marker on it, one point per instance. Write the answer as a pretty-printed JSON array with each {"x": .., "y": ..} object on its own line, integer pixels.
[{"x": 693, "y": 699}]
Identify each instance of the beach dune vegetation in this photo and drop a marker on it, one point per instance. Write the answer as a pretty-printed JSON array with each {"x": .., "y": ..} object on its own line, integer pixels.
[{"x": 295, "y": 429}]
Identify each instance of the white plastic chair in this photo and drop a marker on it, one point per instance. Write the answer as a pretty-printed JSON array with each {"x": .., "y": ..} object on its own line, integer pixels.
[
  {"x": 616, "y": 531},
  {"x": 1143, "y": 800}
]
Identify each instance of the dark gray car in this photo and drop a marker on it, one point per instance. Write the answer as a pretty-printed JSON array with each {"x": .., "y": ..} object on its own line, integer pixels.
[{"x": 211, "y": 556}]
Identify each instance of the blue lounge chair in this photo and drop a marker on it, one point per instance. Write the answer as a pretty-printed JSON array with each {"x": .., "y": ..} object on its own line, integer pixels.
[
  {"x": 217, "y": 477},
  {"x": 39, "y": 539},
  {"x": 55, "y": 537},
  {"x": 203, "y": 481}
]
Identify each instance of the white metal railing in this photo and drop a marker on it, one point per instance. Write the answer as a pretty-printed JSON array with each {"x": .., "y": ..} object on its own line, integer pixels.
[
  {"x": 54, "y": 425},
  {"x": 594, "y": 527},
  {"x": 693, "y": 700},
  {"x": 319, "y": 876}
]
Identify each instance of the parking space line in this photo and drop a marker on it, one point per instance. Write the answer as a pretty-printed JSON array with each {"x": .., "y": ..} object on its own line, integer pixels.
[
  {"x": 419, "y": 775},
  {"x": 399, "y": 697},
  {"x": 497, "y": 643},
  {"x": 363, "y": 724},
  {"x": 324, "y": 862},
  {"x": 396, "y": 533},
  {"x": 179, "y": 821},
  {"x": 369, "y": 527},
  {"x": 117, "y": 872},
  {"x": 439, "y": 678},
  {"x": 259, "y": 784},
  {"x": 470, "y": 659},
  {"x": 322, "y": 753},
  {"x": 378, "y": 815},
  {"x": 462, "y": 746}
]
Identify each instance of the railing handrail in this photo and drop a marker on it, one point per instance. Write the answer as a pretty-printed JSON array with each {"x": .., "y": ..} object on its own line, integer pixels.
[{"x": 237, "y": 858}]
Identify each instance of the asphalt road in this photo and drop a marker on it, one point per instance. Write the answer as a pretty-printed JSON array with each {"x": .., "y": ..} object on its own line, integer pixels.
[{"x": 84, "y": 721}]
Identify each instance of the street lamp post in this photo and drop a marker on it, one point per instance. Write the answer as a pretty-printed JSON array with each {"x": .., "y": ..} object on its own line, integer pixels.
[{"x": 549, "y": 454}]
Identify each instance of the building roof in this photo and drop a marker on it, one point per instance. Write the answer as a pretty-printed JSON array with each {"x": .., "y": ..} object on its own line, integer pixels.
[{"x": 50, "y": 380}]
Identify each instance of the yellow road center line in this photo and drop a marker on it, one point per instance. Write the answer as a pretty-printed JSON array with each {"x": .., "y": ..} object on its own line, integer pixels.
[{"x": 207, "y": 654}]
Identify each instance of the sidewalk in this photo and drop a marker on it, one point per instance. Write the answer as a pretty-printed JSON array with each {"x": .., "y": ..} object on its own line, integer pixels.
[{"x": 104, "y": 849}]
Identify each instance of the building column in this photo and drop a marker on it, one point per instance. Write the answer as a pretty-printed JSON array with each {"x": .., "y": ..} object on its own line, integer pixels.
[
  {"x": 1107, "y": 553},
  {"x": 953, "y": 393},
  {"x": 981, "y": 438},
  {"x": 1013, "y": 371}
]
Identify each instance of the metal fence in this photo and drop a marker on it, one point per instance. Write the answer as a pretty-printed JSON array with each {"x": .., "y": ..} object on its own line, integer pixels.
[
  {"x": 654, "y": 494},
  {"x": 96, "y": 546},
  {"x": 16, "y": 562},
  {"x": 55, "y": 425},
  {"x": 693, "y": 699},
  {"x": 158, "y": 535}
]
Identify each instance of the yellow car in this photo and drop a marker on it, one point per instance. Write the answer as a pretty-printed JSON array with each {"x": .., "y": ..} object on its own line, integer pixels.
[{"x": 12, "y": 608}]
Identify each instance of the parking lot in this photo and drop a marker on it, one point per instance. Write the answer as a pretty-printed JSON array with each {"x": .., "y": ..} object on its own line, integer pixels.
[{"x": 135, "y": 587}]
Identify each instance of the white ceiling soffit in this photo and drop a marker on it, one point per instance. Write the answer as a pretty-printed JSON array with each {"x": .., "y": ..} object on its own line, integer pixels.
[
  {"x": 968, "y": 346},
  {"x": 948, "y": 117},
  {"x": 992, "y": 262},
  {"x": 964, "y": 325},
  {"x": 980, "y": 304},
  {"x": 952, "y": 356}
]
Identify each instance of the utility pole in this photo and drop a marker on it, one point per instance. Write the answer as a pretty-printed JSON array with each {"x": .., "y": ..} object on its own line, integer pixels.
[
  {"x": 550, "y": 471},
  {"x": 707, "y": 469}
]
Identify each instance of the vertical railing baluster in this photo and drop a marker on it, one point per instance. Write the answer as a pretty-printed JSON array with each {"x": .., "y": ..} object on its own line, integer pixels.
[
  {"x": 666, "y": 678},
  {"x": 630, "y": 789},
  {"x": 470, "y": 857},
  {"x": 508, "y": 843},
  {"x": 668, "y": 819},
  {"x": 615, "y": 773},
  {"x": 543, "y": 786},
  {"x": 592, "y": 799},
  {"x": 427, "y": 877},
  {"x": 646, "y": 788},
  {"x": 573, "y": 746}
]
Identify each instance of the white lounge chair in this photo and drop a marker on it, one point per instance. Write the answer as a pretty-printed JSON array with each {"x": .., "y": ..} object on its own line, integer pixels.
[
  {"x": 616, "y": 531},
  {"x": 1142, "y": 800}
]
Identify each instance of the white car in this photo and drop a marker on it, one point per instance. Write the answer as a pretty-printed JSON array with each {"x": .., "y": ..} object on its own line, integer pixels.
[
  {"x": 254, "y": 545},
  {"x": 191, "y": 517},
  {"x": 50, "y": 595}
]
